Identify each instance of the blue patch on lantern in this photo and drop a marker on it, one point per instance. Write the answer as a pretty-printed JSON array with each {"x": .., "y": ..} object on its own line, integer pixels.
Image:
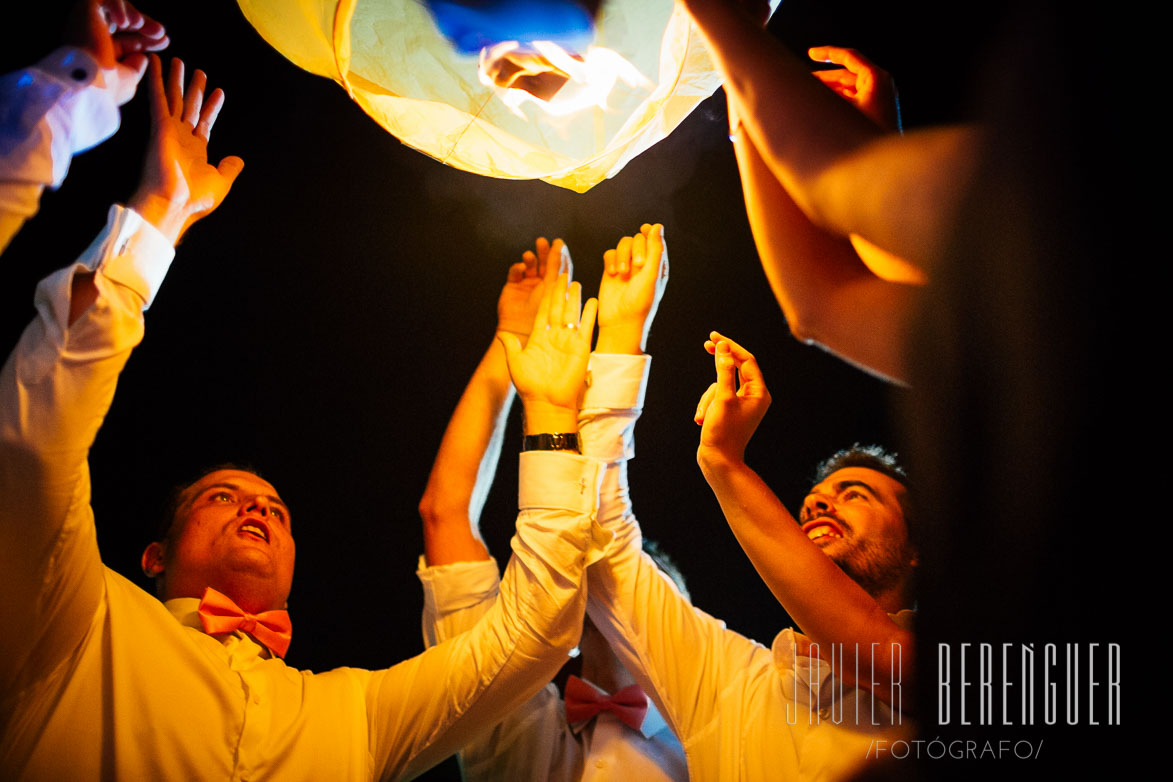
[{"x": 471, "y": 25}]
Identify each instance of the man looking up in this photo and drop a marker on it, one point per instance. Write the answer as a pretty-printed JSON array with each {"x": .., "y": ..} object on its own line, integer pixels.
[
  {"x": 99, "y": 680},
  {"x": 602, "y": 730},
  {"x": 741, "y": 710}
]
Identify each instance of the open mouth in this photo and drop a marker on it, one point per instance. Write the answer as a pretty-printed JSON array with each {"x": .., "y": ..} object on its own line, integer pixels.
[
  {"x": 822, "y": 529},
  {"x": 254, "y": 528}
]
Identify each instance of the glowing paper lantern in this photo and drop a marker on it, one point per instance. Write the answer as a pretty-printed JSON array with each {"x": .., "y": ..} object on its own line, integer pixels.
[{"x": 391, "y": 59}]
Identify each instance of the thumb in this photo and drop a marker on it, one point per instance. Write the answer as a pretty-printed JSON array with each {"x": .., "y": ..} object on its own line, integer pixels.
[
  {"x": 230, "y": 168},
  {"x": 136, "y": 65},
  {"x": 511, "y": 344}
]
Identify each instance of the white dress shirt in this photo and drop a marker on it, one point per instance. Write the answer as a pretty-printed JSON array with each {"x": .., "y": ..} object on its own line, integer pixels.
[
  {"x": 535, "y": 742},
  {"x": 742, "y": 711},
  {"x": 100, "y": 680}
]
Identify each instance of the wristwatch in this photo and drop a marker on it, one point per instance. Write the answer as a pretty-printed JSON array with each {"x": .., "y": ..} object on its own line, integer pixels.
[{"x": 552, "y": 441}]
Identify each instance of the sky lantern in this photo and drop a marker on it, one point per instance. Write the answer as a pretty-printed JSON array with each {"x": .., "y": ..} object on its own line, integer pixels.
[{"x": 571, "y": 108}]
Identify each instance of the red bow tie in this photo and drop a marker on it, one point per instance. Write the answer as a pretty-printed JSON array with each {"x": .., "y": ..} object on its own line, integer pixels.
[
  {"x": 583, "y": 702},
  {"x": 220, "y": 614}
]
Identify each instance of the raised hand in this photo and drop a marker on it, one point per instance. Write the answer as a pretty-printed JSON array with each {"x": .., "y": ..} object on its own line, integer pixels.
[
  {"x": 518, "y": 303},
  {"x": 728, "y": 414},
  {"x": 178, "y": 185},
  {"x": 118, "y": 36},
  {"x": 550, "y": 371},
  {"x": 635, "y": 274},
  {"x": 862, "y": 83}
]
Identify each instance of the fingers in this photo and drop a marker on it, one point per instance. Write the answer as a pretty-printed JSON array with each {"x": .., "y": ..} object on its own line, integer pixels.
[
  {"x": 175, "y": 88},
  {"x": 550, "y": 268},
  {"x": 551, "y": 297},
  {"x": 542, "y": 245},
  {"x": 155, "y": 89},
  {"x": 726, "y": 372},
  {"x": 623, "y": 257},
  {"x": 193, "y": 101},
  {"x": 516, "y": 272},
  {"x": 639, "y": 252},
  {"x": 609, "y": 263},
  {"x": 209, "y": 113},
  {"x": 737, "y": 351},
  {"x": 572, "y": 306},
  {"x": 658, "y": 249},
  {"x": 702, "y": 407},
  {"x": 565, "y": 263},
  {"x": 586, "y": 325},
  {"x": 115, "y": 14},
  {"x": 529, "y": 266},
  {"x": 836, "y": 78},
  {"x": 848, "y": 58}
]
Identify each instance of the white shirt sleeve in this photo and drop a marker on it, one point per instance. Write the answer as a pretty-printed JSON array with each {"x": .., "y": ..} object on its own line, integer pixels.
[
  {"x": 430, "y": 706},
  {"x": 55, "y": 389},
  {"x": 63, "y": 105}
]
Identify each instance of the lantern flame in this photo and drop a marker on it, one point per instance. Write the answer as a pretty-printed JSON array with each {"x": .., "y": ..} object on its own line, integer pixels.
[{"x": 559, "y": 82}]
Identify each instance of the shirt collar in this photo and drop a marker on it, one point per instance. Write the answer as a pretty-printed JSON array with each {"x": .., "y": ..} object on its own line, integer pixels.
[{"x": 186, "y": 612}]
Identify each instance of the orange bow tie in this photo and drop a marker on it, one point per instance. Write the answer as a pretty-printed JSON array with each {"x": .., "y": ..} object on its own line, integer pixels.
[
  {"x": 220, "y": 614},
  {"x": 583, "y": 702}
]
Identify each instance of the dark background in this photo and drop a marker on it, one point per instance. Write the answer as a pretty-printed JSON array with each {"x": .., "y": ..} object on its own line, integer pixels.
[{"x": 321, "y": 325}]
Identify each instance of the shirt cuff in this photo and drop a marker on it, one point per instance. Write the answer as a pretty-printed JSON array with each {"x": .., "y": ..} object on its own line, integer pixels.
[
  {"x": 131, "y": 252},
  {"x": 82, "y": 111},
  {"x": 563, "y": 481},
  {"x": 617, "y": 381},
  {"x": 458, "y": 585},
  {"x": 560, "y": 481}
]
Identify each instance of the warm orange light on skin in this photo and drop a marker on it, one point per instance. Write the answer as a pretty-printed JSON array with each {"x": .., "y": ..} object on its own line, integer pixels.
[
  {"x": 587, "y": 80},
  {"x": 861, "y": 511},
  {"x": 885, "y": 265},
  {"x": 233, "y": 534}
]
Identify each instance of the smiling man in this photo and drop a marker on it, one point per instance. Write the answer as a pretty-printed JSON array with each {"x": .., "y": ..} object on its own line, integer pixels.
[
  {"x": 857, "y": 515},
  {"x": 100, "y": 680},
  {"x": 800, "y": 709}
]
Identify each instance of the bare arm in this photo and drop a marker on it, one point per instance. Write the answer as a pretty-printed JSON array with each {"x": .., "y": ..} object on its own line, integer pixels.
[
  {"x": 828, "y": 295},
  {"x": 821, "y": 598},
  {"x": 429, "y": 707},
  {"x": 844, "y": 172},
  {"x": 467, "y": 460}
]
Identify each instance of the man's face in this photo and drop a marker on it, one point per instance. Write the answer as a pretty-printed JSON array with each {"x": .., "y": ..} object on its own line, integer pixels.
[
  {"x": 231, "y": 533},
  {"x": 856, "y": 518}
]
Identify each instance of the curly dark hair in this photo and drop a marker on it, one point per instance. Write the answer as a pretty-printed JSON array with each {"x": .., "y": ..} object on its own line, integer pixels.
[{"x": 873, "y": 457}]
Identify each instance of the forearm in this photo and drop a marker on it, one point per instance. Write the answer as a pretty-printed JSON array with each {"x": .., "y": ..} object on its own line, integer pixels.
[
  {"x": 466, "y": 463},
  {"x": 825, "y": 603},
  {"x": 800, "y": 126},
  {"x": 844, "y": 172},
  {"x": 829, "y": 297}
]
